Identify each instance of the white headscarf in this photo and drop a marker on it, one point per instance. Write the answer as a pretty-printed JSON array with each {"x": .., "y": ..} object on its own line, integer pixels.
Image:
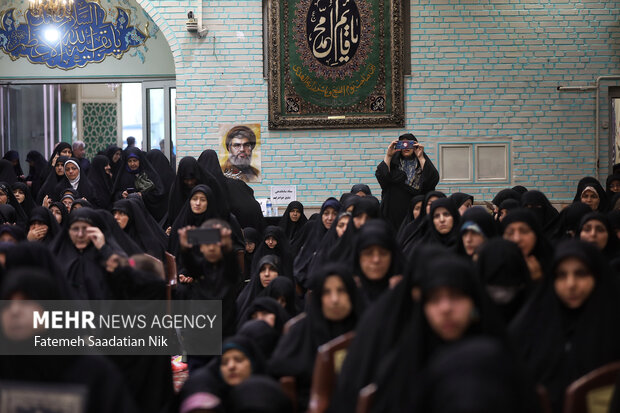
[{"x": 74, "y": 183}]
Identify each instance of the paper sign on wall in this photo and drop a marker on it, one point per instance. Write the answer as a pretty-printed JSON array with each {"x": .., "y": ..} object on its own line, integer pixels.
[{"x": 284, "y": 194}]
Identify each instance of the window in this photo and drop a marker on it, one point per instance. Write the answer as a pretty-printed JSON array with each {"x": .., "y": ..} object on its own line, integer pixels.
[{"x": 474, "y": 162}]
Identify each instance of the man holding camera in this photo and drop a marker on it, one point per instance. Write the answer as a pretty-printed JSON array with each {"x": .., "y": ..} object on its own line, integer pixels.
[{"x": 406, "y": 171}]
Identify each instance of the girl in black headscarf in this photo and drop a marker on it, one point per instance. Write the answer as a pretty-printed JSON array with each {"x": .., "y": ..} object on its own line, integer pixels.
[
  {"x": 23, "y": 196},
  {"x": 415, "y": 209},
  {"x": 163, "y": 168},
  {"x": 199, "y": 207},
  {"x": 43, "y": 226},
  {"x": 55, "y": 173},
  {"x": 132, "y": 218},
  {"x": 114, "y": 155},
  {"x": 82, "y": 249},
  {"x": 546, "y": 213},
  {"x": 505, "y": 276},
  {"x": 252, "y": 239},
  {"x": 268, "y": 310},
  {"x": 267, "y": 269},
  {"x": 239, "y": 195},
  {"x": 476, "y": 228},
  {"x": 75, "y": 180},
  {"x": 7, "y": 174},
  {"x": 522, "y": 227},
  {"x": 612, "y": 185},
  {"x": 275, "y": 242},
  {"x": 293, "y": 219},
  {"x": 419, "y": 226},
  {"x": 310, "y": 239},
  {"x": 377, "y": 259},
  {"x": 452, "y": 307},
  {"x": 570, "y": 327},
  {"x": 100, "y": 179},
  {"x": 567, "y": 223},
  {"x": 37, "y": 172},
  {"x": 443, "y": 227},
  {"x": 138, "y": 175},
  {"x": 503, "y": 195},
  {"x": 208, "y": 388},
  {"x": 596, "y": 229},
  {"x": 334, "y": 309},
  {"x": 282, "y": 289},
  {"x": 591, "y": 192},
  {"x": 13, "y": 157},
  {"x": 59, "y": 211},
  {"x": 462, "y": 201},
  {"x": 7, "y": 198},
  {"x": 62, "y": 149}
]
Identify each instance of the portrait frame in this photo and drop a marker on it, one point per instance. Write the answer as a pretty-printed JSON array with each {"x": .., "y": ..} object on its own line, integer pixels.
[
  {"x": 253, "y": 172},
  {"x": 325, "y": 102}
]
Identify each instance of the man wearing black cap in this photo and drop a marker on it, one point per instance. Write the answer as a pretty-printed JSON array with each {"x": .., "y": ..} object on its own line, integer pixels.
[{"x": 403, "y": 174}]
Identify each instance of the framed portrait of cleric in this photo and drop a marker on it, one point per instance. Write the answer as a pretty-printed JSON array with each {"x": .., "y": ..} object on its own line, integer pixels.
[
  {"x": 335, "y": 64},
  {"x": 240, "y": 155}
]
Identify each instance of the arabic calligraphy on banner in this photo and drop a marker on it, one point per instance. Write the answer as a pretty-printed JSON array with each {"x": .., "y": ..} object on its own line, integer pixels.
[
  {"x": 66, "y": 43},
  {"x": 337, "y": 91}
]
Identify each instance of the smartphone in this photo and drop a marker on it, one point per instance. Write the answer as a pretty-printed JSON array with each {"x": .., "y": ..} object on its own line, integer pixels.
[
  {"x": 131, "y": 190},
  {"x": 406, "y": 144},
  {"x": 203, "y": 236}
]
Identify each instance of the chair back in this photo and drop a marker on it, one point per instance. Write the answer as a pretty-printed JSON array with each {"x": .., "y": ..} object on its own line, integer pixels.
[
  {"x": 365, "y": 398},
  {"x": 592, "y": 393}
]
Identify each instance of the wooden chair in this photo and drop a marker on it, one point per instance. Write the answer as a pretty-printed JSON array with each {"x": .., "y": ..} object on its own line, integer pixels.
[
  {"x": 292, "y": 321},
  {"x": 326, "y": 368},
  {"x": 365, "y": 398},
  {"x": 592, "y": 390},
  {"x": 289, "y": 386}
]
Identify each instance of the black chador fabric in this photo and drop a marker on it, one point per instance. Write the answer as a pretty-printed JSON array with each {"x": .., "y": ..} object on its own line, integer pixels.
[
  {"x": 37, "y": 172},
  {"x": 291, "y": 228},
  {"x": 120, "y": 240},
  {"x": 250, "y": 235},
  {"x": 13, "y": 156},
  {"x": 187, "y": 217},
  {"x": 402, "y": 231},
  {"x": 212, "y": 281},
  {"x": 331, "y": 240},
  {"x": 480, "y": 218},
  {"x": 180, "y": 192},
  {"x": 51, "y": 180},
  {"x": 145, "y": 180},
  {"x": 282, "y": 250},
  {"x": 505, "y": 194},
  {"x": 432, "y": 235},
  {"x": 114, "y": 166},
  {"x": 255, "y": 287},
  {"x": 459, "y": 198},
  {"x": 45, "y": 216},
  {"x": 101, "y": 182},
  {"x": 239, "y": 195},
  {"x": 396, "y": 193},
  {"x": 83, "y": 186},
  {"x": 259, "y": 394},
  {"x": 613, "y": 203},
  {"x": 612, "y": 248},
  {"x": 84, "y": 267},
  {"x": 282, "y": 288},
  {"x": 309, "y": 241},
  {"x": 559, "y": 344},
  {"x": 376, "y": 233},
  {"x": 262, "y": 334},
  {"x": 106, "y": 390},
  {"x": 542, "y": 208},
  {"x": 206, "y": 388},
  {"x": 402, "y": 369},
  {"x": 163, "y": 168},
  {"x": 21, "y": 219},
  {"x": 7, "y": 214},
  {"x": 590, "y": 181},
  {"x": 56, "y": 153},
  {"x": 361, "y": 188},
  {"x": 610, "y": 179},
  {"x": 28, "y": 203},
  {"x": 267, "y": 305},
  {"x": 146, "y": 234},
  {"x": 567, "y": 223},
  {"x": 478, "y": 375},
  {"x": 505, "y": 276},
  {"x": 379, "y": 331},
  {"x": 296, "y": 351},
  {"x": 7, "y": 174},
  {"x": 418, "y": 227},
  {"x": 543, "y": 251}
]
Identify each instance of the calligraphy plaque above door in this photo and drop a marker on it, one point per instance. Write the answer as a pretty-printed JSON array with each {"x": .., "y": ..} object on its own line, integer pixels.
[{"x": 335, "y": 64}]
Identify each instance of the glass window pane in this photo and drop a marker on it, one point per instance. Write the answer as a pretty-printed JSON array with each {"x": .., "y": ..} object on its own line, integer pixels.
[
  {"x": 492, "y": 162},
  {"x": 456, "y": 163},
  {"x": 131, "y": 99},
  {"x": 156, "y": 117}
]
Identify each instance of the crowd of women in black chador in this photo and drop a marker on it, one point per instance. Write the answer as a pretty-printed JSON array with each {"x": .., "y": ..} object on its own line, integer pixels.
[{"x": 456, "y": 307}]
